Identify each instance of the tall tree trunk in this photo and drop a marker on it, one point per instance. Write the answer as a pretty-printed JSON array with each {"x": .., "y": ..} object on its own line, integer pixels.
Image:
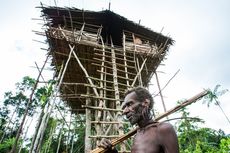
[
  {"x": 27, "y": 109},
  {"x": 24, "y": 138},
  {"x": 71, "y": 151},
  {"x": 50, "y": 138},
  {"x": 36, "y": 131},
  {"x": 40, "y": 131},
  {"x": 60, "y": 137}
]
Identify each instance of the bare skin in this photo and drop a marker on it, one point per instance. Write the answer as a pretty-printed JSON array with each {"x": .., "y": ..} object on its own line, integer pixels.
[{"x": 151, "y": 137}]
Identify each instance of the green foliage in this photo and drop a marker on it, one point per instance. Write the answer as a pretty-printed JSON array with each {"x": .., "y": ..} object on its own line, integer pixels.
[
  {"x": 79, "y": 144},
  {"x": 6, "y": 145},
  {"x": 43, "y": 93},
  {"x": 19, "y": 99},
  {"x": 15, "y": 103},
  {"x": 193, "y": 138},
  {"x": 224, "y": 145},
  {"x": 212, "y": 96}
]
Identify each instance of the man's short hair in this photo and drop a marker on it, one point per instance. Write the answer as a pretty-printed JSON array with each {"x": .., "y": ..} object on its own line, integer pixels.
[{"x": 142, "y": 94}]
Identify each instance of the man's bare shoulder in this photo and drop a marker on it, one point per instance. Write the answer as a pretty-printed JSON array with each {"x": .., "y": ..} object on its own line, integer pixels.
[{"x": 164, "y": 127}]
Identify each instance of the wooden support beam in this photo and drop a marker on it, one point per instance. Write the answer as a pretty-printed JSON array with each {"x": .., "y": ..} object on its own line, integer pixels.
[
  {"x": 117, "y": 94},
  {"x": 124, "y": 54},
  {"x": 117, "y": 58},
  {"x": 88, "y": 115},
  {"x": 101, "y": 108},
  {"x": 160, "y": 92},
  {"x": 121, "y": 65},
  {"x": 97, "y": 97},
  {"x": 121, "y": 77},
  {"x": 139, "y": 76},
  {"x": 133, "y": 74},
  {"x": 119, "y": 54},
  {"x": 109, "y": 82},
  {"x": 140, "y": 70}
]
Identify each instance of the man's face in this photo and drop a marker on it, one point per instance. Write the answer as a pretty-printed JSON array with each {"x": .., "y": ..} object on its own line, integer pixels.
[{"x": 132, "y": 108}]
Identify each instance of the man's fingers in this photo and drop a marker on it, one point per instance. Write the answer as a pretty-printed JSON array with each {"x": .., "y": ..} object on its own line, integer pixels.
[{"x": 105, "y": 143}]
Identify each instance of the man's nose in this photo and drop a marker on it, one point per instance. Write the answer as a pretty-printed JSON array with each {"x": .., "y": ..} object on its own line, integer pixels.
[{"x": 125, "y": 111}]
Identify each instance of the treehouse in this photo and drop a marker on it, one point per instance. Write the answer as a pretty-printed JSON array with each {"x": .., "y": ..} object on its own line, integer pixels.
[{"x": 97, "y": 56}]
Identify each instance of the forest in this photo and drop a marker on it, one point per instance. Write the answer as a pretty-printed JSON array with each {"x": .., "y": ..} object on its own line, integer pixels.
[{"x": 27, "y": 125}]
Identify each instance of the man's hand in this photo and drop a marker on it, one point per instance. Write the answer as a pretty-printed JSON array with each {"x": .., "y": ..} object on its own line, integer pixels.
[{"x": 106, "y": 143}]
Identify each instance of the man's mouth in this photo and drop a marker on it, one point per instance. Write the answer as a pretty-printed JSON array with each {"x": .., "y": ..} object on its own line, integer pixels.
[{"x": 129, "y": 117}]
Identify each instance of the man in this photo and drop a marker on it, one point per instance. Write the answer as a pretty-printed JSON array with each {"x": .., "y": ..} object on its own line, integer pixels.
[{"x": 152, "y": 137}]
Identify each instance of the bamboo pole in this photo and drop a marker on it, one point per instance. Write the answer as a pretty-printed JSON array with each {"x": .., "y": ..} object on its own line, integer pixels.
[
  {"x": 90, "y": 81},
  {"x": 117, "y": 94},
  {"x": 59, "y": 138},
  {"x": 101, "y": 108},
  {"x": 118, "y": 64},
  {"x": 139, "y": 72},
  {"x": 96, "y": 97},
  {"x": 101, "y": 102},
  {"x": 88, "y": 113},
  {"x": 133, "y": 74},
  {"x": 120, "y": 51},
  {"x": 121, "y": 77},
  {"x": 85, "y": 72},
  {"x": 36, "y": 130},
  {"x": 173, "y": 110},
  {"x": 50, "y": 139},
  {"x": 108, "y": 81},
  {"x": 48, "y": 109},
  {"x": 117, "y": 58},
  {"x": 125, "y": 61},
  {"x": 159, "y": 88},
  {"x": 139, "y": 77}
]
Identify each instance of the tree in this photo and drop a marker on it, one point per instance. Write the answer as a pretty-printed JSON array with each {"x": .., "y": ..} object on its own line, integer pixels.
[
  {"x": 193, "y": 138},
  {"x": 15, "y": 104}
]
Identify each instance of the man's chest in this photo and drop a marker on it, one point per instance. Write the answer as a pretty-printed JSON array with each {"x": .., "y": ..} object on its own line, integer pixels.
[{"x": 146, "y": 142}]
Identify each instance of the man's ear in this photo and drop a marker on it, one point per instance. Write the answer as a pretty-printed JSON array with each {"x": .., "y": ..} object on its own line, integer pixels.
[{"x": 146, "y": 102}]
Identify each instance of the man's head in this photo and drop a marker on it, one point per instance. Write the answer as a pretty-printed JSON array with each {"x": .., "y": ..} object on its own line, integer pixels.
[{"x": 137, "y": 105}]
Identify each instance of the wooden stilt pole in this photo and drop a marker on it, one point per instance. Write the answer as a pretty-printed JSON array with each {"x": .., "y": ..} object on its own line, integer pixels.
[
  {"x": 162, "y": 99},
  {"x": 140, "y": 70},
  {"x": 124, "y": 53},
  {"x": 88, "y": 144},
  {"x": 117, "y": 95},
  {"x": 139, "y": 77}
]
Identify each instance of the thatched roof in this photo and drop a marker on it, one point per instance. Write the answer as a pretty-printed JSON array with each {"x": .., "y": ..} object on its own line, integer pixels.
[{"x": 112, "y": 23}]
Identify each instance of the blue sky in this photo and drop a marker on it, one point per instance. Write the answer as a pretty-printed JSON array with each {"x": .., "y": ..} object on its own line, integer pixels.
[{"x": 201, "y": 50}]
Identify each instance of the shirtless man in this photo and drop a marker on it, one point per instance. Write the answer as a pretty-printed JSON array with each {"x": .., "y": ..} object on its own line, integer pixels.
[{"x": 152, "y": 137}]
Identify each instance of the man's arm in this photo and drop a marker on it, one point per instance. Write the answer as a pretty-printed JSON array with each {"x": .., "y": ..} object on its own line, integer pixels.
[{"x": 168, "y": 138}]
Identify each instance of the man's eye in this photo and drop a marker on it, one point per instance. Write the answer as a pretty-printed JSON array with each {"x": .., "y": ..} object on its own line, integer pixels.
[{"x": 129, "y": 104}]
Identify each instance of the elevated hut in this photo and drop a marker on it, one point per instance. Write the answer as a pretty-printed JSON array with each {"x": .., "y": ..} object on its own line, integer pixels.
[{"x": 99, "y": 56}]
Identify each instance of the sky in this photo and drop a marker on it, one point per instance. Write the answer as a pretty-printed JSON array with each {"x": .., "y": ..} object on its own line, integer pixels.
[{"x": 201, "y": 49}]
